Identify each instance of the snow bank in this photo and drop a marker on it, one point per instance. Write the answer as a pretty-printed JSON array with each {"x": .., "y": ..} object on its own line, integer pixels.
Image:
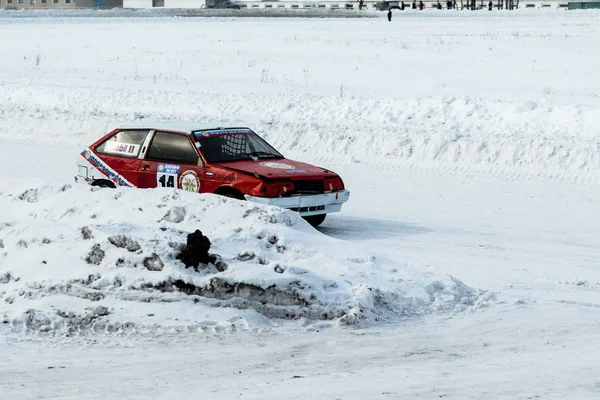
[
  {"x": 76, "y": 259},
  {"x": 501, "y": 91},
  {"x": 451, "y": 133}
]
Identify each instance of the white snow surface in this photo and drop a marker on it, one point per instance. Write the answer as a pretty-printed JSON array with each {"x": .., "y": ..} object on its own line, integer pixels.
[
  {"x": 510, "y": 91},
  {"x": 69, "y": 250},
  {"x": 469, "y": 142}
]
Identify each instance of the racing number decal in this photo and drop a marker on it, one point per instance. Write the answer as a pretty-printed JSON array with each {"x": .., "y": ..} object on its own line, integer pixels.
[
  {"x": 167, "y": 180},
  {"x": 166, "y": 175}
]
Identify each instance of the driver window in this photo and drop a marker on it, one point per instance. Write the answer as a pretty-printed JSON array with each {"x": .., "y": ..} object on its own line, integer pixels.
[{"x": 173, "y": 148}]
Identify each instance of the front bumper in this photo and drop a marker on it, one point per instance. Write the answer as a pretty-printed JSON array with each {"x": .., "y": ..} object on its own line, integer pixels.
[{"x": 306, "y": 205}]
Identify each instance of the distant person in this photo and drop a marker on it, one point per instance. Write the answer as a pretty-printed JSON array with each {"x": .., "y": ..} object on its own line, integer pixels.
[
  {"x": 390, "y": 15},
  {"x": 449, "y": 4},
  {"x": 439, "y": 5},
  {"x": 490, "y": 5},
  {"x": 421, "y": 5},
  {"x": 414, "y": 4},
  {"x": 402, "y": 6}
]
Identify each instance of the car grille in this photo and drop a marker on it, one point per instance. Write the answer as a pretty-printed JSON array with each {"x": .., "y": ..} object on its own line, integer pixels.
[
  {"x": 308, "y": 209},
  {"x": 309, "y": 187}
]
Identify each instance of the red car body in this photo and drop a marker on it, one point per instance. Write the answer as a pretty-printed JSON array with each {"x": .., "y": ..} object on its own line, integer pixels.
[{"x": 233, "y": 162}]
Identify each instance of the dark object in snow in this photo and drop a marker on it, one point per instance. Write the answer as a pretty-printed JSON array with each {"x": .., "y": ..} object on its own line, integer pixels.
[
  {"x": 124, "y": 242},
  {"x": 246, "y": 256},
  {"x": 95, "y": 256},
  {"x": 86, "y": 233},
  {"x": 195, "y": 251},
  {"x": 221, "y": 265},
  {"x": 5, "y": 278},
  {"x": 100, "y": 311},
  {"x": 153, "y": 263}
]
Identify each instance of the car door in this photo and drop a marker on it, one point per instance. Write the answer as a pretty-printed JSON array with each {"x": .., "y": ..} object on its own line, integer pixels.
[
  {"x": 121, "y": 151},
  {"x": 171, "y": 161}
]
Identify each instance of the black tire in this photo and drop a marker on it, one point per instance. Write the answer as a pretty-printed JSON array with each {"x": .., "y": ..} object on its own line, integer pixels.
[
  {"x": 231, "y": 193},
  {"x": 103, "y": 183},
  {"x": 315, "y": 220}
]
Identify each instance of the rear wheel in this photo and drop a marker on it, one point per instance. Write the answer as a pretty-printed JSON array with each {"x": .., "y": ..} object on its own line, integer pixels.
[
  {"x": 103, "y": 183},
  {"x": 315, "y": 220}
]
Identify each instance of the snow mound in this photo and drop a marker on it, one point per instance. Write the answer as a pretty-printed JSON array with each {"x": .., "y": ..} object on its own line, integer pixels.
[
  {"x": 76, "y": 259},
  {"x": 535, "y": 137}
]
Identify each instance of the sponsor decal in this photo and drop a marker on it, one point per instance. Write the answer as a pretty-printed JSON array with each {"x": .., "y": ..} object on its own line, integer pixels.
[
  {"x": 166, "y": 175},
  {"x": 172, "y": 169},
  {"x": 276, "y": 165},
  {"x": 129, "y": 149},
  {"x": 105, "y": 169},
  {"x": 222, "y": 132},
  {"x": 296, "y": 171},
  {"x": 226, "y": 177},
  {"x": 209, "y": 174},
  {"x": 189, "y": 181}
]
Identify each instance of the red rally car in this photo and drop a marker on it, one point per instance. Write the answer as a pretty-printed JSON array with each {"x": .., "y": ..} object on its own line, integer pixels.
[{"x": 233, "y": 162}]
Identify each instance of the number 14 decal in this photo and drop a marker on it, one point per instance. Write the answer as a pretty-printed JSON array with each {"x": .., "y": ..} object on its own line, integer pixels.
[
  {"x": 166, "y": 175},
  {"x": 167, "y": 180}
]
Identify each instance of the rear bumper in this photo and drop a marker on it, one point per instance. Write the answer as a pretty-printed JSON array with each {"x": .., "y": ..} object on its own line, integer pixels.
[{"x": 308, "y": 204}]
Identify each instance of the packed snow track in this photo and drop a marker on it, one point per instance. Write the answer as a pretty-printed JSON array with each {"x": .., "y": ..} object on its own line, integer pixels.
[{"x": 465, "y": 265}]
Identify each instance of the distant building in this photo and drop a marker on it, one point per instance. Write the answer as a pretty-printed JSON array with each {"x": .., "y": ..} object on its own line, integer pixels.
[
  {"x": 59, "y": 4},
  {"x": 18, "y": 4},
  {"x": 286, "y": 4},
  {"x": 337, "y": 5},
  {"x": 164, "y": 3},
  {"x": 99, "y": 3}
]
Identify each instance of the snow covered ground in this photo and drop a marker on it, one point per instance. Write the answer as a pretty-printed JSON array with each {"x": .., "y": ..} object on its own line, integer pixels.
[
  {"x": 73, "y": 255},
  {"x": 469, "y": 142}
]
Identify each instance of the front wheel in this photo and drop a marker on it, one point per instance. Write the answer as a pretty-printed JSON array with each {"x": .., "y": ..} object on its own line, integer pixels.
[
  {"x": 230, "y": 192},
  {"x": 315, "y": 220}
]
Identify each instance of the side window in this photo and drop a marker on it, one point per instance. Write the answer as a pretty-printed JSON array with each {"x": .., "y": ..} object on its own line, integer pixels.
[
  {"x": 123, "y": 143},
  {"x": 173, "y": 148}
]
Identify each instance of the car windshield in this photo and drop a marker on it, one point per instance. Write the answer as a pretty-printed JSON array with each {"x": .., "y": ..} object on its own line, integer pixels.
[{"x": 234, "y": 145}]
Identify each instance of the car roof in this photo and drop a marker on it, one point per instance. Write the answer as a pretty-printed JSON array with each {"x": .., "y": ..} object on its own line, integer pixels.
[{"x": 188, "y": 127}]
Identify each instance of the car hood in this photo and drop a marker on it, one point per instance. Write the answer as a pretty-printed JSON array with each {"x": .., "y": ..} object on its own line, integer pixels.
[{"x": 276, "y": 168}]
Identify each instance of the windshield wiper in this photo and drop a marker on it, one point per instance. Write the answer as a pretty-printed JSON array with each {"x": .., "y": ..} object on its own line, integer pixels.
[{"x": 257, "y": 154}]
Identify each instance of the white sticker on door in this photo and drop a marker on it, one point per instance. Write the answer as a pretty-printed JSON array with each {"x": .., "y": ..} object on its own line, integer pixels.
[
  {"x": 128, "y": 149},
  {"x": 166, "y": 175}
]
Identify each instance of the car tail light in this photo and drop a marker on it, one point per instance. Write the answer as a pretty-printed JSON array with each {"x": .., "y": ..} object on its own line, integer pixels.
[
  {"x": 334, "y": 184},
  {"x": 277, "y": 188}
]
